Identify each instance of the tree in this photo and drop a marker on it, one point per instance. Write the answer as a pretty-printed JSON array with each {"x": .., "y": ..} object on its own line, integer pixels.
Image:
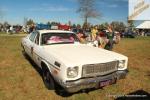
[
  {"x": 78, "y": 26},
  {"x": 74, "y": 26},
  {"x": 122, "y": 26},
  {"x": 30, "y": 22},
  {"x": 48, "y": 23},
  {"x": 131, "y": 23},
  {"x": 6, "y": 24},
  {"x": 87, "y": 9},
  {"x": 118, "y": 26},
  {"x": 103, "y": 26},
  {"x": 86, "y": 26}
]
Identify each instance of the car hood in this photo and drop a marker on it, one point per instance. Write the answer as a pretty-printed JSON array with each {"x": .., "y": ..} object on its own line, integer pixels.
[{"x": 79, "y": 54}]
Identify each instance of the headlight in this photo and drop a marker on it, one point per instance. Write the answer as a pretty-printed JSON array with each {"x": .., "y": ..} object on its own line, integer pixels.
[
  {"x": 72, "y": 72},
  {"x": 121, "y": 64}
]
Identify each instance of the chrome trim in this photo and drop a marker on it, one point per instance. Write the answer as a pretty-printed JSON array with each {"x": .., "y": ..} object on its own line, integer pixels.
[
  {"x": 94, "y": 82},
  {"x": 99, "y": 69}
]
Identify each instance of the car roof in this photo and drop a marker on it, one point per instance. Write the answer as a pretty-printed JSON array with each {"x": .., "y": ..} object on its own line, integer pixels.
[{"x": 54, "y": 31}]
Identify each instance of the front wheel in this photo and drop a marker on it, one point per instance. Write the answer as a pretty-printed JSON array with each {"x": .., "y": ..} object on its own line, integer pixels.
[{"x": 48, "y": 79}]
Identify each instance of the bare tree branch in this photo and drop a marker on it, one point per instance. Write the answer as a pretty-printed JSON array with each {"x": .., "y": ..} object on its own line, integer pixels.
[{"x": 87, "y": 9}]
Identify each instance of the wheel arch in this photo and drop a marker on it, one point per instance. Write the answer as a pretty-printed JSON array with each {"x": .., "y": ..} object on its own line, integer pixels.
[{"x": 45, "y": 64}]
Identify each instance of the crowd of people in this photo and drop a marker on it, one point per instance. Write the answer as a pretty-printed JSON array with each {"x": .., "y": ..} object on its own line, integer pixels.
[
  {"x": 104, "y": 38},
  {"x": 10, "y": 29}
]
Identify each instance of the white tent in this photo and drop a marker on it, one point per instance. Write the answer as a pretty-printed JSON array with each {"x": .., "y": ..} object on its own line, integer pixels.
[{"x": 144, "y": 25}]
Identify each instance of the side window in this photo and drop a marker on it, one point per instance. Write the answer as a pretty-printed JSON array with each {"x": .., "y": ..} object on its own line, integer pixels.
[
  {"x": 37, "y": 39},
  {"x": 32, "y": 36}
]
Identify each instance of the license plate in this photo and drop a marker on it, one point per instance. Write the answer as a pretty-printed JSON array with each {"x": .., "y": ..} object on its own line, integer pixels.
[{"x": 106, "y": 82}]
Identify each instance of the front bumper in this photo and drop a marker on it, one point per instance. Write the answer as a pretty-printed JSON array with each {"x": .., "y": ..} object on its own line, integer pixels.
[{"x": 94, "y": 82}]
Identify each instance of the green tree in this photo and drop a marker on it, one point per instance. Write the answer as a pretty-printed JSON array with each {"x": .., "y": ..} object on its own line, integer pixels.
[
  {"x": 131, "y": 24},
  {"x": 118, "y": 26},
  {"x": 6, "y": 24},
  {"x": 103, "y": 25},
  {"x": 30, "y": 22},
  {"x": 48, "y": 23},
  {"x": 74, "y": 26}
]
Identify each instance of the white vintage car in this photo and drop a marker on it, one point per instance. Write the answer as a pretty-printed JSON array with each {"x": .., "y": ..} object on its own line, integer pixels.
[{"x": 72, "y": 65}]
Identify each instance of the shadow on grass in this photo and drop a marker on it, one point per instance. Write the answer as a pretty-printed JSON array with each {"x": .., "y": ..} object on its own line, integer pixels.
[
  {"x": 66, "y": 94},
  {"x": 37, "y": 68},
  {"x": 136, "y": 95}
]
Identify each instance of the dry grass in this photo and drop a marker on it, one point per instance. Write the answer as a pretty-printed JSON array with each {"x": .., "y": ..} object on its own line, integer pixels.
[{"x": 20, "y": 81}]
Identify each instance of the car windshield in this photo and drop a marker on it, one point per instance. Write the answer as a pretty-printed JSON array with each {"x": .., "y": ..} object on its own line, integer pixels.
[{"x": 58, "y": 38}]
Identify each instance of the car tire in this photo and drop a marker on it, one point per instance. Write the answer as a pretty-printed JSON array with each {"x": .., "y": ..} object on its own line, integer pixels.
[{"x": 48, "y": 79}]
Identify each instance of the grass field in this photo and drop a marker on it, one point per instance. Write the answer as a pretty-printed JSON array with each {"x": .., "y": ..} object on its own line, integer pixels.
[{"x": 19, "y": 80}]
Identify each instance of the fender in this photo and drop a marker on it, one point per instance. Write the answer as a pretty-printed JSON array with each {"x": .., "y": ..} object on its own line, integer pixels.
[{"x": 48, "y": 66}]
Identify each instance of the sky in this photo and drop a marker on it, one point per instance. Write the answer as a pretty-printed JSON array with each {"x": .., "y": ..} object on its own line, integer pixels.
[{"x": 42, "y": 11}]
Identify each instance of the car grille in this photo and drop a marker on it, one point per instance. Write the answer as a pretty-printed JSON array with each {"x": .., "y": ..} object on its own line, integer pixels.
[{"x": 99, "y": 69}]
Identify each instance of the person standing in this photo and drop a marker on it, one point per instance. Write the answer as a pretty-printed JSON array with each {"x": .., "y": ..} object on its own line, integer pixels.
[
  {"x": 110, "y": 37},
  {"x": 94, "y": 32}
]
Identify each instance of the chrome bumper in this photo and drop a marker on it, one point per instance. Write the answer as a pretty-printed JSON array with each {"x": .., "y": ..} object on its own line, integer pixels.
[{"x": 94, "y": 82}]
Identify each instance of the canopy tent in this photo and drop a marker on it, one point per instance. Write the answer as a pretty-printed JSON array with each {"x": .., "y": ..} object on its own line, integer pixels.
[{"x": 144, "y": 25}]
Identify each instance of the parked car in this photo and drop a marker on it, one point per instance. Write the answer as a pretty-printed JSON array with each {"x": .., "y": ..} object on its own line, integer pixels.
[
  {"x": 72, "y": 65},
  {"x": 129, "y": 33},
  {"x": 147, "y": 33}
]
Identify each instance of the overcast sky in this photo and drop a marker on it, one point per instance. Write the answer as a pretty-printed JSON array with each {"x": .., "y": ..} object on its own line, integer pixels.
[{"x": 14, "y": 11}]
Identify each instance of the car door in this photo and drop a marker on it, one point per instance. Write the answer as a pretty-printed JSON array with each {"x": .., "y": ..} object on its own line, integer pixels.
[
  {"x": 30, "y": 44},
  {"x": 37, "y": 49}
]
